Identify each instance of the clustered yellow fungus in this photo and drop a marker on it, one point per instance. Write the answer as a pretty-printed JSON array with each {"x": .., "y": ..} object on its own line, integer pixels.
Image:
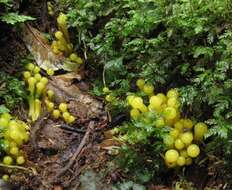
[
  {"x": 60, "y": 111},
  {"x": 50, "y": 8},
  {"x": 14, "y": 134},
  {"x": 37, "y": 86},
  {"x": 62, "y": 45},
  {"x": 163, "y": 111}
]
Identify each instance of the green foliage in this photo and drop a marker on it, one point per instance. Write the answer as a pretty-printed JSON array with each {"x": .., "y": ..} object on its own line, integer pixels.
[
  {"x": 141, "y": 156},
  {"x": 14, "y": 18},
  {"x": 12, "y": 92},
  {"x": 10, "y": 17},
  {"x": 185, "y": 44},
  {"x": 140, "y": 130},
  {"x": 3, "y": 109},
  {"x": 6, "y": 2}
]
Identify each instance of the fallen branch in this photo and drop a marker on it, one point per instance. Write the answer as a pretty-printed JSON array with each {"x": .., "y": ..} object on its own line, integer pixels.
[{"x": 78, "y": 151}]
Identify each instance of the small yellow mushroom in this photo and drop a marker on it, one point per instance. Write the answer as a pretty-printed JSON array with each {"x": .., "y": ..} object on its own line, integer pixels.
[{"x": 62, "y": 25}]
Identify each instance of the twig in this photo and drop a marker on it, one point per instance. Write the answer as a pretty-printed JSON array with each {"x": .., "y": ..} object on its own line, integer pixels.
[
  {"x": 104, "y": 82},
  {"x": 103, "y": 76},
  {"x": 31, "y": 170},
  {"x": 78, "y": 151},
  {"x": 85, "y": 50},
  {"x": 71, "y": 129}
]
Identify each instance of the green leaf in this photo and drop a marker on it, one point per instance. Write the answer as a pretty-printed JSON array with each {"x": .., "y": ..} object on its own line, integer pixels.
[
  {"x": 114, "y": 68},
  {"x": 6, "y": 2},
  {"x": 12, "y": 91},
  {"x": 203, "y": 51},
  {"x": 3, "y": 109},
  {"x": 14, "y": 18}
]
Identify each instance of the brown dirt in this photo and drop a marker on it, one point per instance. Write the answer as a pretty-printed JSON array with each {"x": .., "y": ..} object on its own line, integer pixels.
[{"x": 52, "y": 147}]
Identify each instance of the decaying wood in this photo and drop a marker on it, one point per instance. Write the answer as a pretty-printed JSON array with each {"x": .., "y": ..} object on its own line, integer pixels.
[{"x": 81, "y": 104}]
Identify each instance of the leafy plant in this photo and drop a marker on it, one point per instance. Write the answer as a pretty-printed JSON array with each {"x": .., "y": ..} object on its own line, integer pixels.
[
  {"x": 14, "y": 18},
  {"x": 141, "y": 156},
  {"x": 6, "y": 2},
  {"x": 184, "y": 44},
  {"x": 12, "y": 92},
  {"x": 10, "y": 17},
  {"x": 3, "y": 109}
]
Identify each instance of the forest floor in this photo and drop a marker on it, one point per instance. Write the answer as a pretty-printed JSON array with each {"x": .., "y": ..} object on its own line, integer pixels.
[
  {"x": 61, "y": 157},
  {"x": 57, "y": 153}
]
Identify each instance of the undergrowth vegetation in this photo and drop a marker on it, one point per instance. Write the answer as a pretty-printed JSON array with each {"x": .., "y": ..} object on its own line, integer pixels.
[
  {"x": 9, "y": 13},
  {"x": 181, "y": 44},
  {"x": 12, "y": 92},
  {"x": 172, "y": 44}
]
